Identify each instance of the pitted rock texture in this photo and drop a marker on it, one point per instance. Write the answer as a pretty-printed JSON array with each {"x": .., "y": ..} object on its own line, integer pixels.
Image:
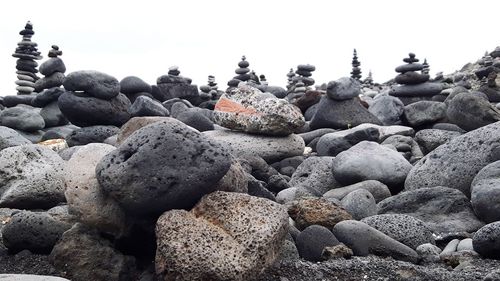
[
  {"x": 93, "y": 83},
  {"x": 165, "y": 165},
  {"x": 247, "y": 109},
  {"x": 309, "y": 211},
  {"x": 226, "y": 236}
]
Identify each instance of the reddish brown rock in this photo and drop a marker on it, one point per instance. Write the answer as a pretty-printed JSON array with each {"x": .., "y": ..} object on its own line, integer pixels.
[{"x": 309, "y": 211}]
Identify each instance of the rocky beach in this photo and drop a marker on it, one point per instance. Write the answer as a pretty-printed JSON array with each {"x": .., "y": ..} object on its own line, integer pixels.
[{"x": 349, "y": 179}]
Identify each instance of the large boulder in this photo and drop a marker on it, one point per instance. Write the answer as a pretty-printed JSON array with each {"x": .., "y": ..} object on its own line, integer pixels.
[
  {"x": 31, "y": 177},
  {"x": 247, "y": 109},
  {"x": 387, "y": 109},
  {"x": 313, "y": 240},
  {"x": 371, "y": 161},
  {"x": 343, "y": 89},
  {"x": 165, "y": 165},
  {"x": 86, "y": 199},
  {"x": 443, "y": 209},
  {"x": 316, "y": 211},
  {"x": 135, "y": 124},
  {"x": 342, "y": 114},
  {"x": 270, "y": 148},
  {"x": 226, "y": 236},
  {"x": 470, "y": 111},
  {"x": 9, "y": 138},
  {"x": 93, "y": 83},
  {"x": 486, "y": 241},
  {"x": 91, "y": 134},
  {"x": 424, "y": 112},
  {"x": 364, "y": 240},
  {"x": 485, "y": 193},
  {"x": 456, "y": 162},
  {"x": 82, "y": 110}
]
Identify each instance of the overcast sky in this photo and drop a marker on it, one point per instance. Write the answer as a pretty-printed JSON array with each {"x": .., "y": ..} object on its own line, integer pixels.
[{"x": 144, "y": 38}]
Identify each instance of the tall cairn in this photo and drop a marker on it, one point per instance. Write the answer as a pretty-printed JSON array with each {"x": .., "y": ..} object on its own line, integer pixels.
[
  {"x": 26, "y": 65},
  {"x": 242, "y": 73},
  {"x": 290, "y": 75},
  {"x": 356, "y": 70}
]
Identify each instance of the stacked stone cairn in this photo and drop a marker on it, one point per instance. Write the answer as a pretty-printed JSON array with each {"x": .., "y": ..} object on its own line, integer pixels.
[
  {"x": 53, "y": 69},
  {"x": 242, "y": 73},
  {"x": 426, "y": 68},
  {"x": 488, "y": 65},
  {"x": 302, "y": 82},
  {"x": 26, "y": 65},
  {"x": 173, "y": 85},
  {"x": 415, "y": 85},
  {"x": 290, "y": 76},
  {"x": 263, "y": 80},
  {"x": 356, "y": 70}
]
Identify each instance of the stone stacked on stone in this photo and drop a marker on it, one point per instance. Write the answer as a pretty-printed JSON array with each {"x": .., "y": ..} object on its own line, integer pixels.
[
  {"x": 133, "y": 87},
  {"x": 290, "y": 75},
  {"x": 209, "y": 91},
  {"x": 263, "y": 80},
  {"x": 305, "y": 72},
  {"x": 173, "y": 85},
  {"x": 242, "y": 73},
  {"x": 356, "y": 70},
  {"x": 415, "y": 85},
  {"x": 369, "y": 79},
  {"x": 301, "y": 83},
  {"x": 53, "y": 69},
  {"x": 27, "y": 53},
  {"x": 487, "y": 67},
  {"x": 426, "y": 68},
  {"x": 93, "y": 98}
]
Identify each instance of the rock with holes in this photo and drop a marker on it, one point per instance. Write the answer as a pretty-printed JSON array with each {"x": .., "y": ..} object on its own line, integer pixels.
[
  {"x": 135, "y": 124},
  {"x": 226, "y": 236},
  {"x": 470, "y": 111},
  {"x": 91, "y": 134},
  {"x": 270, "y": 148},
  {"x": 486, "y": 241},
  {"x": 430, "y": 139},
  {"x": 37, "y": 232},
  {"x": 31, "y": 177},
  {"x": 424, "y": 112},
  {"x": 165, "y": 165},
  {"x": 364, "y": 240},
  {"x": 485, "y": 193},
  {"x": 309, "y": 211},
  {"x": 456, "y": 163},
  {"x": 360, "y": 204},
  {"x": 86, "y": 199},
  {"x": 406, "y": 229},
  {"x": 93, "y": 83},
  {"x": 444, "y": 210},
  {"x": 247, "y": 109}
]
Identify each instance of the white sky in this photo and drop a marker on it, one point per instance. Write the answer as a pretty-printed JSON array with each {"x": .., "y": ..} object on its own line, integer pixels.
[{"x": 144, "y": 38}]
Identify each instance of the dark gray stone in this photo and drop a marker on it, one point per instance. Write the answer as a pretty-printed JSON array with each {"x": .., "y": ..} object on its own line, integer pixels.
[
  {"x": 379, "y": 190},
  {"x": 430, "y": 139},
  {"x": 52, "y": 115},
  {"x": 311, "y": 135},
  {"x": 197, "y": 119},
  {"x": 145, "y": 106},
  {"x": 424, "y": 89},
  {"x": 341, "y": 114},
  {"x": 387, "y": 109},
  {"x": 404, "y": 228},
  {"x": 37, "y": 232},
  {"x": 456, "y": 162},
  {"x": 334, "y": 143},
  {"x": 93, "y": 83},
  {"x": 315, "y": 175},
  {"x": 312, "y": 241},
  {"x": 364, "y": 240},
  {"x": 92, "y": 134},
  {"x": 485, "y": 193},
  {"x": 11, "y": 101},
  {"x": 470, "y": 111},
  {"x": 486, "y": 241},
  {"x": 87, "y": 111},
  {"x": 360, "y": 204},
  {"x": 443, "y": 209},
  {"x": 187, "y": 165},
  {"x": 51, "y": 66},
  {"x": 59, "y": 132},
  {"x": 52, "y": 81},
  {"x": 47, "y": 96},
  {"x": 177, "y": 90},
  {"x": 343, "y": 89},
  {"x": 9, "y": 138},
  {"x": 424, "y": 112},
  {"x": 21, "y": 118},
  {"x": 132, "y": 85}
]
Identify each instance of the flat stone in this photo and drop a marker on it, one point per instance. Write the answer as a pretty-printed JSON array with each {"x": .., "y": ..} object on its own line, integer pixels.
[
  {"x": 91, "y": 134},
  {"x": 379, "y": 190},
  {"x": 424, "y": 89},
  {"x": 93, "y": 83},
  {"x": 21, "y": 118}
]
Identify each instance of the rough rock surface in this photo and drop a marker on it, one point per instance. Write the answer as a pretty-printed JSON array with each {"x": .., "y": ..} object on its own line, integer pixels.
[
  {"x": 319, "y": 211},
  {"x": 485, "y": 193}
]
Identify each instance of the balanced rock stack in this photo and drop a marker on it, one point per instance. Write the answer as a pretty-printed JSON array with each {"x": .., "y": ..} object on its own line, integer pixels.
[
  {"x": 93, "y": 98},
  {"x": 173, "y": 85},
  {"x": 341, "y": 107},
  {"x": 133, "y": 87},
  {"x": 356, "y": 70},
  {"x": 209, "y": 91},
  {"x": 27, "y": 53},
  {"x": 414, "y": 84},
  {"x": 263, "y": 80},
  {"x": 301, "y": 82},
  {"x": 53, "y": 69},
  {"x": 242, "y": 73},
  {"x": 290, "y": 76},
  {"x": 487, "y": 66},
  {"x": 426, "y": 68}
]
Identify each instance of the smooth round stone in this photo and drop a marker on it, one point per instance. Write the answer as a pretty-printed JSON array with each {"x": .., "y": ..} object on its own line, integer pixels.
[
  {"x": 470, "y": 111},
  {"x": 233, "y": 82},
  {"x": 25, "y": 89},
  {"x": 243, "y": 77},
  {"x": 9, "y": 138},
  {"x": 27, "y": 68},
  {"x": 343, "y": 89},
  {"x": 145, "y": 106},
  {"x": 409, "y": 67},
  {"x": 308, "y": 81},
  {"x": 243, "y": 64},
  {"x": 51, "y": 66},
  {"x": 25, "y": 83},
  {"x": 27, "y": 56},
  {"x": 196, "y": 119},
  {"x": 360, "y": 204},
  {"x": 306, "y": 67},
  {"x": 304, "y": 73},
  {"x": 87, "y": 111},
  {"x": 242, "y": 70},
  {"x": 29, "y": 63},
  {"x": 25, "y": 78},
  {"x": 313, "y": 240},
  {"x": 132, "y": 84},
  {"x": 485, "y": 193},
  {"x": 26, "y": 73},
  {"x": 52, "y": 115},
  {"x": 21, "y": 118},
  {"x": 47, "y": 96},
  {"x": 486, "y": 241},
  {"x": 93, "y": 83},
  {"x": 411, "y": 78},
  {"x": 387, "y": 109}
]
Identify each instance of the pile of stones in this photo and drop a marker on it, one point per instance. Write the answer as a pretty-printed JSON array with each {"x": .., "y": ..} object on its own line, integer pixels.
[
  {"x": 27, "y": 53},
  {"x": 356, "y": 70},
  {"x": 242, "y": 73}
]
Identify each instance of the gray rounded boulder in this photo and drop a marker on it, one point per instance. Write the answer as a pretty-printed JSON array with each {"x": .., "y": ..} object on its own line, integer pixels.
[
  {"x": 93, "y": 83},
  {"x": 470, "y": 111},
  {"x": 313, "y": 240},
  {"x": 486, "y": 241},
  {"x": 485, "y": 193},
  {"x": 343, "y": 89},
  {"x": 165, "y": 165},
  {"x": 360, "y": 204}
]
